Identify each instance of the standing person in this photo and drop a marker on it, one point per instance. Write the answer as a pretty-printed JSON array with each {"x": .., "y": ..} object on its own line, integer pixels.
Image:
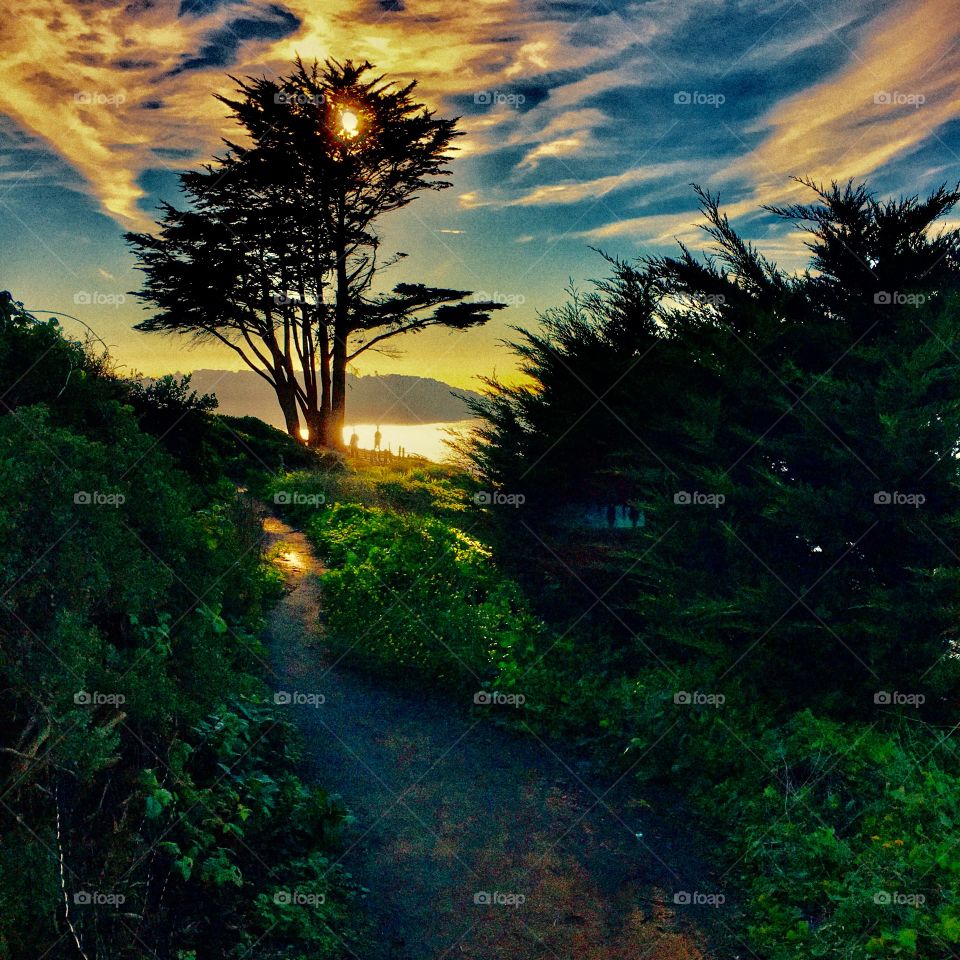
[
  {"x": 354, "y": 443},
  {"x": 377, "y": 437}
]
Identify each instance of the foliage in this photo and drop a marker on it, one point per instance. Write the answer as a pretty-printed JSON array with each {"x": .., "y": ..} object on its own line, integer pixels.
[
  {"x": 149, "y": 801},
  {"x": 416, "y": 594},
  {"x": 434, "y": 491},
  {"x": 790, "y": 440}
]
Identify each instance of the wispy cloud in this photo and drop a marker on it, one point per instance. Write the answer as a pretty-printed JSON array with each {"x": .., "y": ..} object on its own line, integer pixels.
[
  {"x": 576, "y": 191},
  {"x": 573, "y": 145},
  {"x": 900, "y": 86},
  {"x": 652, "y": 229}
]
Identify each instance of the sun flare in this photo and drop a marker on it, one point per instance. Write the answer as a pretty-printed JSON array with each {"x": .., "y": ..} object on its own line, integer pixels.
[{"x": 349, "y": 124}]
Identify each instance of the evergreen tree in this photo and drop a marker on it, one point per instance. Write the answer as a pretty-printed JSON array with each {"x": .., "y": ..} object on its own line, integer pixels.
[
  {"x": 792, "y": 441},
  {"x": 277, "y": 255}
]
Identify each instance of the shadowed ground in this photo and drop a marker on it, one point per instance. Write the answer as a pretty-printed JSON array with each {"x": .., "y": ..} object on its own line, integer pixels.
[{"x": 474, "y": 843}]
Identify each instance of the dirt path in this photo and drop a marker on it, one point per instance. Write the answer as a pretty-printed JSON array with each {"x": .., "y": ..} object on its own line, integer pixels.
[{"x": 474, "y": 843}]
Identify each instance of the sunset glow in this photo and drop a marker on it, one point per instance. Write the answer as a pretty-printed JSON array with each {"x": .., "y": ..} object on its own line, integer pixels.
[
  {"x": 583, "y": 127},
  {"x": 349, "y": 124}
]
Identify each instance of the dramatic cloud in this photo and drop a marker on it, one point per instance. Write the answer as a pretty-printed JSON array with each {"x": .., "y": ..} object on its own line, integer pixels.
[
  {"x": 901, "y": 86},
  {"x": 104, "y": 84},
  {"x": 585, "y": 123}
]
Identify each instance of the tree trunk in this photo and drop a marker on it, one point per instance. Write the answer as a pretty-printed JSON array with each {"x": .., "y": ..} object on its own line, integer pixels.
[
  {"x": 341, "y": 331},
  {"x": 317, "y": 428},
  {"x": 325, "y": 388},
  {"x": 338, "y": 399},
  {"x": 287, "y": 397}
]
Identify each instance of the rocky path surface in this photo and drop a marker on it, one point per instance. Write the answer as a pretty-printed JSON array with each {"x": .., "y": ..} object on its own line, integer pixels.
[{"x": 475, "y": 843}]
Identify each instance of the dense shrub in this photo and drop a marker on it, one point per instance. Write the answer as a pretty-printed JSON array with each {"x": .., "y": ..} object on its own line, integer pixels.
[
  {"x": 791, "y": 439},
  {"x": 150, "y": 805},
  {"x": 415, "y": 593}
]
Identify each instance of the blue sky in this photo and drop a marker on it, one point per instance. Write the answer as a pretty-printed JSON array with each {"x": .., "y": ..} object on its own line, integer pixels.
[{"x": 586, "y": 124}]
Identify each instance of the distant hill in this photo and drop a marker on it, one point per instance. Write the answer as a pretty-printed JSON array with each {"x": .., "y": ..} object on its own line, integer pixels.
[{"x": 392, "y": 398}]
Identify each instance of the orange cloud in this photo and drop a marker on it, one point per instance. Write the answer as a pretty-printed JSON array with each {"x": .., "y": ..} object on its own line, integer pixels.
[
  {"x": 81, "y": 77},
  {"x": 77, "y": 76}
]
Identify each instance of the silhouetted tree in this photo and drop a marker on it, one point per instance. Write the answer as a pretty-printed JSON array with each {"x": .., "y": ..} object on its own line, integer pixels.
[{"x": 277, "y": 255}]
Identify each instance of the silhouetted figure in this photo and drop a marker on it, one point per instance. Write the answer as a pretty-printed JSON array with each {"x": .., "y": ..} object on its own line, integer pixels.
[
  {"x": 354, "y": 443},
  {"x": 377, "y": 437},
  {"x": 634, "y": 516},
  {"x": 611, "y": 516}
]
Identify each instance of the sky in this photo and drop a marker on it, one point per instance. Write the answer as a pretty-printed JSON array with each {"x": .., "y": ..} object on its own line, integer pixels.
[{"x": 586, "y": 124}]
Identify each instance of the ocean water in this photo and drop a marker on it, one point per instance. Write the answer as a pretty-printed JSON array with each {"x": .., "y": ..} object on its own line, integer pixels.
[{"x": 423, "y": 439}]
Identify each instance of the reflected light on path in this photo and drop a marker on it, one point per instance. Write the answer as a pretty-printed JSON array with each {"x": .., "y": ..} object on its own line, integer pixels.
[{"x": 293, "y": 559}]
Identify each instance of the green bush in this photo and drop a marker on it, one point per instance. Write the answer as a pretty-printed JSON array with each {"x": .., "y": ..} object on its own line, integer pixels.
[
  {"x": 249, "y": 840},
  {"x": 138, "y": 764},
  {"x": 432, "y": 491},
  {"x": 418, "y": 594}
]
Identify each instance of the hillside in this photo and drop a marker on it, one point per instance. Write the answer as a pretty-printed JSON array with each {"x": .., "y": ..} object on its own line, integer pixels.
[{"x": 393, "y": 398}]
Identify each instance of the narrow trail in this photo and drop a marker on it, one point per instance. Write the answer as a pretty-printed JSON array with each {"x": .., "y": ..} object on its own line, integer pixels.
[{"x": 472, "y": 842}]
